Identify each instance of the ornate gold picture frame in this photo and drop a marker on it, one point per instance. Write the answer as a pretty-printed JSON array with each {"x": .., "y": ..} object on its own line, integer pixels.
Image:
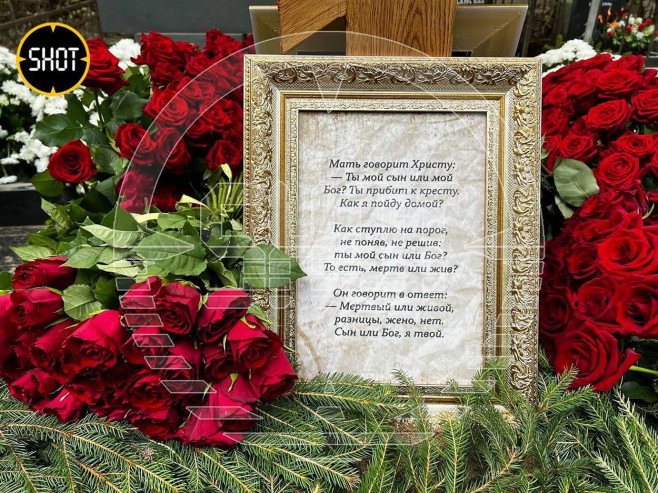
[{"x": 295, "y": 105}]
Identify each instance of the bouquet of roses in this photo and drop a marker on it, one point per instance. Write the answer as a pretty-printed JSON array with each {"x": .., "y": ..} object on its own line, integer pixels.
[
  {"x": 133, "y": 302},
  {"x": 599, "y": 296}
]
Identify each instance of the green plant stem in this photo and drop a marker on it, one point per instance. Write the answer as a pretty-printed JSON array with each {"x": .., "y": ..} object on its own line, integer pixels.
[{"x": 639, "y": 369}]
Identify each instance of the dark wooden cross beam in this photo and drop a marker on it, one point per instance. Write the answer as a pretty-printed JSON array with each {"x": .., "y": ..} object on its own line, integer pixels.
[{"x": 396, "y": 27}]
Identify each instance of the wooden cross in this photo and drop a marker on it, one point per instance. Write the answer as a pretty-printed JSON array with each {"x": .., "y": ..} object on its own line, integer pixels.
[{"x": 416, "y": 27}]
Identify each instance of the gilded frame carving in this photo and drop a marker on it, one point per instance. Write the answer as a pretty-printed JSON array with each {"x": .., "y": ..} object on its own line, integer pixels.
[{"x": 507, "y": 90}]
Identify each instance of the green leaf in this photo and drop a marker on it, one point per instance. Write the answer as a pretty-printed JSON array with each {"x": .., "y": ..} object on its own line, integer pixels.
[
  {"x": 114, "y": 237},
  {"x": 80, "y": 302},
  {"x": 171, "y": 221},
  {"x": 59, "y": 215},
  {"x": 127, "y": 106},
  {"x": 32, "y": 252},
  {"x": 120, "y": 268},
  {"x": 106, "y": 292},
  {"x": 225, "y": 276},
  {"x": 76, "y": 110},
  {"x": 5, "y": 282},
  {"x": 41, "y": 239},
  {"x": 86, "y": 258},
  {"x": 174, "y": 252},
  {"x": 57, "y": 130},
  {"x": 108, "y": 160},
  {"x": 268, "y": 267},
  {"x": 94, "y": 136},
  {"x": 120, "y": 219},
  {"x": 566, "y": 211},
  {"x": 635, "y": 390},
  {"x": 574, "y": 181},
  {"x": 47, "y": 185}
]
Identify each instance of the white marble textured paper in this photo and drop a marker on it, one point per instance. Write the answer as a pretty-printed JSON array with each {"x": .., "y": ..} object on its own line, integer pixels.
[{"x": 391, "y": 281}]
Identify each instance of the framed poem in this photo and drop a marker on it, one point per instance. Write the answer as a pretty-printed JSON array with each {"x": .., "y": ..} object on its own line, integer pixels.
[{"x": 408, "y": 189}]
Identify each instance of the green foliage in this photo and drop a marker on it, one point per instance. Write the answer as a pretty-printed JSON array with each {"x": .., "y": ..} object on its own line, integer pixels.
[
  {"x": 575, "y": 181},
  {"x": 342, "y": 433}
]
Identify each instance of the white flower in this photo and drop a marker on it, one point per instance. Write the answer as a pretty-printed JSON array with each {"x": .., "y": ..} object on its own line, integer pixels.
[
  {"x": 639, "y": 35},
  {"x": 569, "y": 52},
  {"x": 7, "y": 179},
  {"x": 638, "y": 20},
  {"x": 124, "y": 50},
  {"x": 3, "y": 133},
  {"x": 621, "y": 23},
  {"x": 631, "y": 20}
]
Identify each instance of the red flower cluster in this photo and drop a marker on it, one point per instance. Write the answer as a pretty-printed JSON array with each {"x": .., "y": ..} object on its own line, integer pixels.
[
  {"x": 197, "y": 111},
  {"x": 600, "y": 278},
  {"x": 104, "y": 71},
  {"x": 172, "y": 369}
]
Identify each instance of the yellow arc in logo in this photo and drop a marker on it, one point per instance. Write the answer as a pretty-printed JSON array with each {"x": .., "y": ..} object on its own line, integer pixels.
[{"x": 86, "y": 59}]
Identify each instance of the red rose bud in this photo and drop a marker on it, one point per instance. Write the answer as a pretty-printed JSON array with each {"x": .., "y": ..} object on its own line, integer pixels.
[
  {"x": 178, "y": 305},
  {"x": 47, "y": 349},
  {"x": 641, "y": 26},
  {"x": 274, "y": 379},
  {"x": 596, "y": 355},
  {"x": 44, "y": 272},
  {"x": 629, "y": 251},
  {"x": 629, "y": 29},
  {"x": 94, "y": 344},
  {"x": 636, "y": 307},
  {"x": 220, "y": 311},
  {"x": 648, "y": 22},
  {"x": 33, "y": 388},
  {"x": 140, "y": 299},
  {"x": 135, "y": 143},
  {"x": 181, "y": 362},
  {"x": 35, "y": 308},
  {"x": 65, "y": 407},
  {"x": 8, "y": 329},
  {"x": 219, "y": 363},
  {"x": 611, "y": 34},
  {"x": 645, "y": 106},
  {"x": 86, "y": 386},
  {"x": 218, "y": 422},
  {"x": 252, "y": 344},
  {"x": 72, "y": 163},
  {"x": 104, "y": 71}
]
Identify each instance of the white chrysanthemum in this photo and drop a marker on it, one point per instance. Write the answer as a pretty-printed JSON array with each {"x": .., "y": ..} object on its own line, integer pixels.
[
  {"x": 3, "y": 133},
  {"x": 124, "y": 50},
  {"x": 4, "y": 100},
  {"x": 569, "y": 52},
  {"x": 4, "y": 180},
  {"x": 7, "y": 61},
  {"x": 32, "y": 151},
  {"x": 10, "y": 159}
]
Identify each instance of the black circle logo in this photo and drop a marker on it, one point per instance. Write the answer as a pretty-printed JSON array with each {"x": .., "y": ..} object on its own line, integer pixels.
[{"x": 53, "y": 59}]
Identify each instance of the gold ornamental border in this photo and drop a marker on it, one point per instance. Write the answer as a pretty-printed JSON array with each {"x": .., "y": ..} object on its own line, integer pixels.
[{"x": 508, "y": 90}]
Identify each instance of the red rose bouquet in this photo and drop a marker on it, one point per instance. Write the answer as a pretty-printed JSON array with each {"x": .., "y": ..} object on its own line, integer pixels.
[
  {"x": 133, "y": 303},
  {"x": 599, "y": 296}
]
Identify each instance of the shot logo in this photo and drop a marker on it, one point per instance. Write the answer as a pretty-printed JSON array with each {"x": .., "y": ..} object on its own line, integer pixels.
[{"x": 53, "y": 59}]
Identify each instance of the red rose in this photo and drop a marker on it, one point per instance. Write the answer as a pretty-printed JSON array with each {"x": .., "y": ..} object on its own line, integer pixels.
[
  {"x": 582, "y": 264},
  {"x": 87, "y": 386},
  {"x": 629, "y": 251},
  {"x": 178, "y": 305},
  {"x": 141, "y": 296},
  {"x": 634, "y": 63},
  {"x": 146, "y": 392},
  {"x": 554, "y": 121},
  {"x": 159, "y": 99},
  {"x": 218, "y": 422},
  {"x": 217, "y": 119},
  {"x": 636, "y": 300},
  {"x": 160, "y": 424},
  {"x": 618, "y": 171},
  {"x": 219, "y": 363},
  {"x": 252, "y": 344},
  {"x": 146, "y": 341},
  {"x": 638, "y": 145},
  {"x": 582, "y": 93},
  {"x": 597, "y": 61},
  {"x": 595, "y": 301},
  {"x": 94, "y": 344},
  {"x": 610, "y": 117},
  {"x": 8, "y": 329},
  {"x": 72, "y": 163},
  {"x": 171, "y": 150},
  {"x": 157, "y": 49},
  {"x": 181, "y": 362},
  {"x": 555, "y": 311},
  {"x": 645, "y": 106},
  {"x": 35, "y": 308},
  {"x": 199, "y": 134},
  {"x": 65, "y": 407},
  {"x": 274, "y": 379},
  {"x": 46, "y": 351},
  {"x": 220, "y": 44},
  {"x": 223, "y": 152},
  {"x": 578, "y": 147},
  {"x": 559, "y": 98},
  {"x": 135, "y": 143},
  {"x": 220, "y": 311},
  {"x": 618, "y": 84},
  {"x": 44, "y": 272},
  {"x": 173, "y": 111},
  {"x": 136, "y": 187},
  {"x": 104, "y": 71},
  {"x": 165, "y": 73},
  {"x": 596, "y": 355},
  {"x": 167, "y": 194},
  {"x": 33, "y": 388}
]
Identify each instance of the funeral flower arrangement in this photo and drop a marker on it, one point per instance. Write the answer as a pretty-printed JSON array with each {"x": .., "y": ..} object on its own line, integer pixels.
[
  {"x": 624, "y": 33},
  {"x": 598, "y": 307},
  {"x": 131, "y": 303}
]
